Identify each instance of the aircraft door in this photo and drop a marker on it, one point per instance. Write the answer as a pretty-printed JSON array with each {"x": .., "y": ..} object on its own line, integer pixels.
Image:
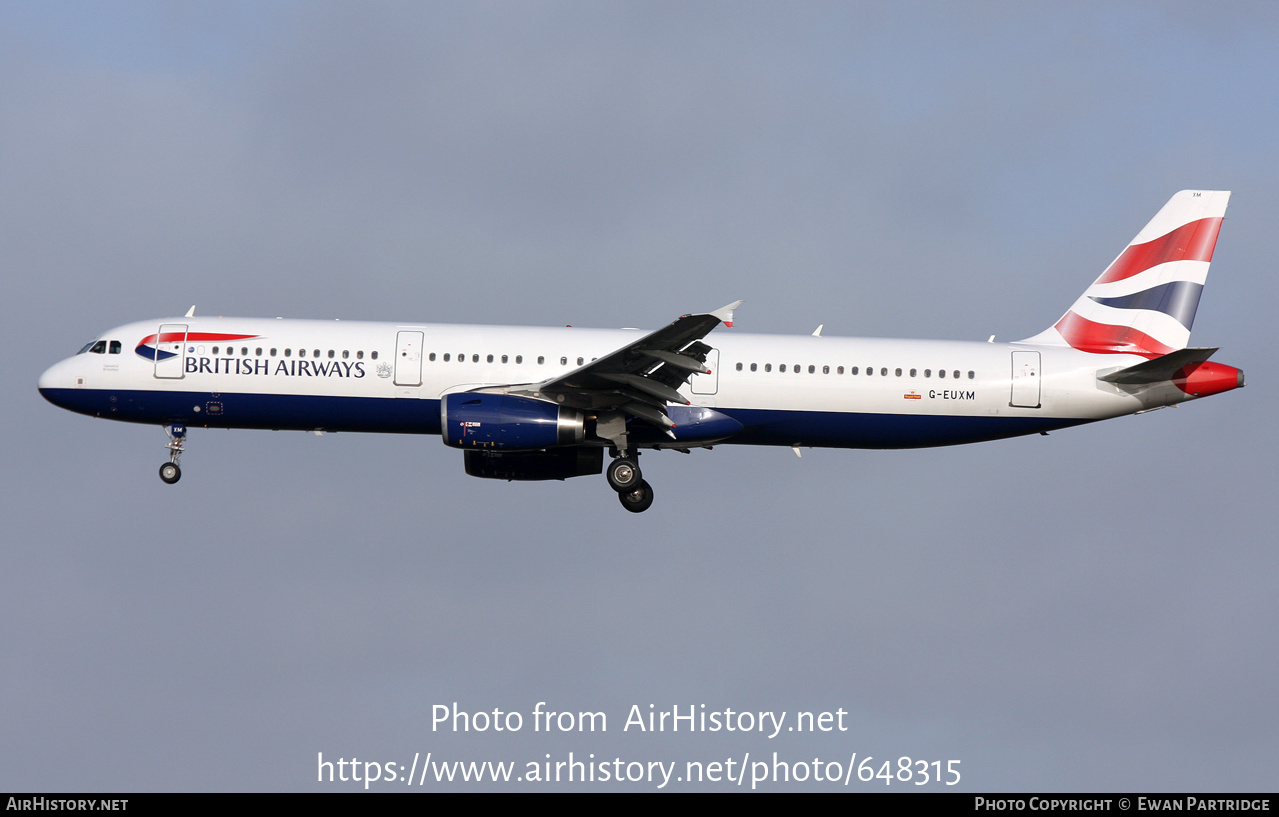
[
  {"x": 170, "y": 351},
  {"x": 1025, "y": 380},
  {"x": 408, "y": 359},
  {"x": 706, "y": 383}
]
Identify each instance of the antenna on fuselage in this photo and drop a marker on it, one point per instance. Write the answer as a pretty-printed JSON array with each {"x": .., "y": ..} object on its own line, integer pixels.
[{"x": 190, "y": 312}]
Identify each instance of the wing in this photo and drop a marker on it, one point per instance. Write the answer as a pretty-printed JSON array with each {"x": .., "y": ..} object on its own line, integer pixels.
[{"x": 640, "y": 378}]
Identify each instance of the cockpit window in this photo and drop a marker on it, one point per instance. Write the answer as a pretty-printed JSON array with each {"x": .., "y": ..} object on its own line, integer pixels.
[
  {"x": 115, "y": 347},
  {"x": 85, "y": 348},
  {"x": 99, "y": 348}
]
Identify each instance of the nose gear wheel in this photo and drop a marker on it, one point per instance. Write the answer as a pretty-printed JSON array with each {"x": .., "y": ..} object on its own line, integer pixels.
[{"x": 170, "y": 472}]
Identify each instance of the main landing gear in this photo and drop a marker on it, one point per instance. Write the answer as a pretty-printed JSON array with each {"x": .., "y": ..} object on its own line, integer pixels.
[
  {"x": 170, "y": 472},
  {"x": 624, "y": 476}
]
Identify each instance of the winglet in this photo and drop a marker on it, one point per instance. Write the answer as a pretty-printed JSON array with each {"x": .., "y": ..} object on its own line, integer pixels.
[
  {"x": 190, "y": 312},
  {"x": 725, "y": 313}
]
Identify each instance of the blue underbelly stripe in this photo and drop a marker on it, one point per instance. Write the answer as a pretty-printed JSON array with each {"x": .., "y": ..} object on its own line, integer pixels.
[{"x": 821, "y": 429}]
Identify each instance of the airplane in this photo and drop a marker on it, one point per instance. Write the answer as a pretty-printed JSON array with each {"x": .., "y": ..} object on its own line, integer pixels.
[{"x": 530, "y": 403}]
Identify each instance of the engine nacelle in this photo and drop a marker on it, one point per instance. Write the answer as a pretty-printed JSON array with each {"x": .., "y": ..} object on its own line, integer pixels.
[
  {"x": 557, "y": 463},
  {"x": 500, "y": 422}
]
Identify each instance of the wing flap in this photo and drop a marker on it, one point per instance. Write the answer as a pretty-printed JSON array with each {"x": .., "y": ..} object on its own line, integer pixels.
[{"x": 641, "y": 378}]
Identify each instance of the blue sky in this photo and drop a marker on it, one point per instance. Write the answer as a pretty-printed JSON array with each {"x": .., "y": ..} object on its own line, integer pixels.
[{"x": 1088, "y": 611}]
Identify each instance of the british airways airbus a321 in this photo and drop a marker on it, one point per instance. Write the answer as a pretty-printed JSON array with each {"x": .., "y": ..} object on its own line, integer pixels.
[{"x": 546, "y": 403}]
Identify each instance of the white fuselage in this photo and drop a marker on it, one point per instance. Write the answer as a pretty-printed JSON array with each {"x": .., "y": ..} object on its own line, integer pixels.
[{"x": 784, "y": 390}]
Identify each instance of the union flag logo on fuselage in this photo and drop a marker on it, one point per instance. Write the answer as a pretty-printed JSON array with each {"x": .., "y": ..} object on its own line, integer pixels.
[{"x": 148, "y": 347}]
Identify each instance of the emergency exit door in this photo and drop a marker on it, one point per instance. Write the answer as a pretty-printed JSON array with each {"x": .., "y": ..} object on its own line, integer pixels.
[
  {"x": 408, "y": 359},
  {"x": 707, "y": 383},
  {"x": 170, "y": 351},
  {"x": 1026, "y": 379}
]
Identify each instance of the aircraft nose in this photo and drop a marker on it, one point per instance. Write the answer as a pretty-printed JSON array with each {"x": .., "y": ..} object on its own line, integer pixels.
[{"x": 56, "y": 380}]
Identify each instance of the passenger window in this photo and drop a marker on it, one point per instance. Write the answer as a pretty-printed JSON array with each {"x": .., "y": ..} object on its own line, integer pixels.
[
  {"x": 928, "y": 372},
  {"x": 503, "y": 358},
  {"x": 781, "y": 368},
  {"x": 288, "y": 352},
  {"x": 825, "y": 370},
  {"x": 115, "y": 347},
  {"x": 359, "y": 355},
  {"x": 912, "y": 372},
  {"x": 541, "y": 360},
  {"x": 899, "y": 372},
  {"x": 301, "y": 352},
  {"x": 446, "y": 357},
  {"x": 768, "y": 367},
  {"x": 971, "y": 374},
  {"x": 373, "y": 355},
  {"x": 853, "y": 370},
  {"x": 331, "y": 354},
  {"x": 273, "y": 353},
  {"x": 518, "y": 359},
  {"x": 563, "y": 361},
  {"x": 811, "y": 369},
  {"x": 475, "y": 358},
  {"x": 430, "y": 357},
  {"x": 941, "y": 372},
  {"x": 346, "y": 354},
  {"x": 739, "y": 367},
  {"x": 490, "y": 359},
  {"x": 956, "y": 374},
  {"x": 870, "y": 371},
  {"x": 839, "y": 370},
  {"x": 580, "y": 361},
  {"x": 258, "y": 352},
  {"x": 316, "y": 353},
  {"x": 215, "y": 349},
  {"x": 884, "y": 371},
  {"x": 752, "y": 367}
]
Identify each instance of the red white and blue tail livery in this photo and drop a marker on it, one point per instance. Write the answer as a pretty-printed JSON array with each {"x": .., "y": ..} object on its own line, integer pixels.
[
  {"x": 529, "y": 403},
  {"x": 1145, "y": 301}
]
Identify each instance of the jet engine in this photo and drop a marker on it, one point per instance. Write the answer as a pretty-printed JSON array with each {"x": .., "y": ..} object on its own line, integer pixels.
[{"x": 501, "y": 422}]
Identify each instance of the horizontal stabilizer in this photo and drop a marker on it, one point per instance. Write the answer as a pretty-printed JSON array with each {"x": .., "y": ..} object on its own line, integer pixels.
[{"x": 1159, "y": 369}]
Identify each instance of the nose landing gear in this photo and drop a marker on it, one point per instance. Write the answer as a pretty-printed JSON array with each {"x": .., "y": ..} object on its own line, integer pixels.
[{"x": 170, "y": 472}]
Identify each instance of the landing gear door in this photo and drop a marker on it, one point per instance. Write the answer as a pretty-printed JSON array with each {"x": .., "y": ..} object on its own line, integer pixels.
[
  {"x": 170, "y": 351},
  {"x": 408, "y": 359},
  {"x": 1025, "y": 380},
  {"x": 706, "y": 383}
]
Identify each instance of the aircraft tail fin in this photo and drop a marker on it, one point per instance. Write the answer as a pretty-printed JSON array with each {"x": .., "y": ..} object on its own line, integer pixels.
[{"x": 1145, "y": 301}]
